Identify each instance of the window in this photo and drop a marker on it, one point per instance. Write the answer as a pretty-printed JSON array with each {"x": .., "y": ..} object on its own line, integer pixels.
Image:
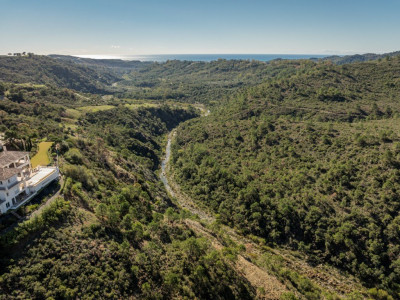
[
  {"x": 7, "y": 194},
  {"x": 8, "y": 204}
]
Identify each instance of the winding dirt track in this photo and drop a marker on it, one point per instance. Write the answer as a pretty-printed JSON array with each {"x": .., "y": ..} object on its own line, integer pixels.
[{"x": 266, "y": 285}]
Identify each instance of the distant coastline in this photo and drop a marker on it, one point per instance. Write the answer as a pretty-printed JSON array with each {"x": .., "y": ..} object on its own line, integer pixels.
[{"x": 204, "y": 57}]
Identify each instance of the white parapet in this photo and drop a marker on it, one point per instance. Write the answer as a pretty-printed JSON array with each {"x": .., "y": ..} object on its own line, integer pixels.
[{"x": 39, "y": 179}]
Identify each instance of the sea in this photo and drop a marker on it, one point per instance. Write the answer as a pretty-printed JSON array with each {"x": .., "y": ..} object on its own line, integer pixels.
[{"x": 204, "y": 57}]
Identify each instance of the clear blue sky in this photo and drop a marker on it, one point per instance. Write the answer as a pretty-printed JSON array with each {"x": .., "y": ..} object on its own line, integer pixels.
[{"x": 194, "y": 27}]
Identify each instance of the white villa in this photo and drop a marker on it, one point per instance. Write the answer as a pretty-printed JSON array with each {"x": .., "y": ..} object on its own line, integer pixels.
[{"x": 19, "y": 183}]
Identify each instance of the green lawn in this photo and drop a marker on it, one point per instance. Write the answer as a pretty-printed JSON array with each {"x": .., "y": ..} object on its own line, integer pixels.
[
  {"x": 95, "y": 108},
  {"x": 42, "y": 157}
]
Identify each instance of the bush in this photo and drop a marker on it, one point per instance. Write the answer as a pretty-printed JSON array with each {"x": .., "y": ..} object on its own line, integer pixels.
[
  {"x": 81, "y": 174},
  {"x": 74, "y": 156},
  {"x": 50, "y": 214}
]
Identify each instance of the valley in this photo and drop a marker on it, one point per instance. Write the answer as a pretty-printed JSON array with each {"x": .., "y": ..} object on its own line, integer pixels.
[{"x": 205, "y": 180}]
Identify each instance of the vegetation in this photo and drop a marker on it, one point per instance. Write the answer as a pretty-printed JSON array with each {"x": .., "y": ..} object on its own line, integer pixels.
[
  {"x": 108, "y": 236},
  {"x": 347, "y": 59},
  {"x": 310, "y": 162},
  {"x": 300, "y": 157},
  {"x": 45, "y": 70},
  {"x": 205, "y": 82},
  {"x": 118, "y": 66},
  {"x": 42, "y": 157},
  {"x": 51, "y": 214}
]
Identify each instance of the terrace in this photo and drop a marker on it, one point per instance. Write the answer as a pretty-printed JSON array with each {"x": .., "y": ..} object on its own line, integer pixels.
[
  {"x": 41, "y": 175},
  {"x": 39, "y": 180}
]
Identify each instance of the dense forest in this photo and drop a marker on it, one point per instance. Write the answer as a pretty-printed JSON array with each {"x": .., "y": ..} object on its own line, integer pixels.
[
  {"x": 40, "y": 69},
  {"x": 184, "y": 81},
  {"x": 205, "y": 82},
  {"x": 116, "y": 65},
  {"x": 114, "y": 233},
  {"x": 297, "y": 167},
  {"x": 311, "y": 162},
  {"x": 347, "y": 59}
]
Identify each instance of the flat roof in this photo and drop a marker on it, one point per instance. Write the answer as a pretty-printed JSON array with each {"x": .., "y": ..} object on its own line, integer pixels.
[
  {"x": 8, "y": 157},
  {"x": 40, "y": 175}
]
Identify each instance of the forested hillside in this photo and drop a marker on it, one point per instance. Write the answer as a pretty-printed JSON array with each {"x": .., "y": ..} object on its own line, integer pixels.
[
  {"x": 301, "y": 158},
  {"x": 117, "y": 65},
  {"x": 185, "y": 81},
  {"x": 114, "y": 233},
  {"x": 310, "y": 162},
  {"x": 40, "y": 69},
  {"x": 348, "y": 59},
  {"x": 205, "y": 82}
]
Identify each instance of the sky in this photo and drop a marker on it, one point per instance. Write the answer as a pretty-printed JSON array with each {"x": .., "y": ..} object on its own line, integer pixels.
[{"x": 122, "y": 27}]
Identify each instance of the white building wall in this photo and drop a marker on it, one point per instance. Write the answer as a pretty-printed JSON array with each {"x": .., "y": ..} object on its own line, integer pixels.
[
  {"x": 12, "y": 187},
  {"x": 7, "y": 182},
  {"x": 3, "y": 207},
  {"x": 37, "y": 187},
  {"x": 8, "y": 193},
  {"x": 31, "y": 187}
]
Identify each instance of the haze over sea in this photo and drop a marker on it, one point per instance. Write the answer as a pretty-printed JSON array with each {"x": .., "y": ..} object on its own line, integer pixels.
[{"x": 204, "y": 57}]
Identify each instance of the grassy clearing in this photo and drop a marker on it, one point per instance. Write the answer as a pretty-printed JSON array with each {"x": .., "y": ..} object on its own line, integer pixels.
[
  {"x": 72, "y": 113},
  {"x": 138, "y": 105},
  {"x": 68, "y": 121},
  {"x": 75, "y": 113},
  {"x": 31, "y": 85},
  {"x": 42, "y": 157},
  {"x": 94, "y": 108}
]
